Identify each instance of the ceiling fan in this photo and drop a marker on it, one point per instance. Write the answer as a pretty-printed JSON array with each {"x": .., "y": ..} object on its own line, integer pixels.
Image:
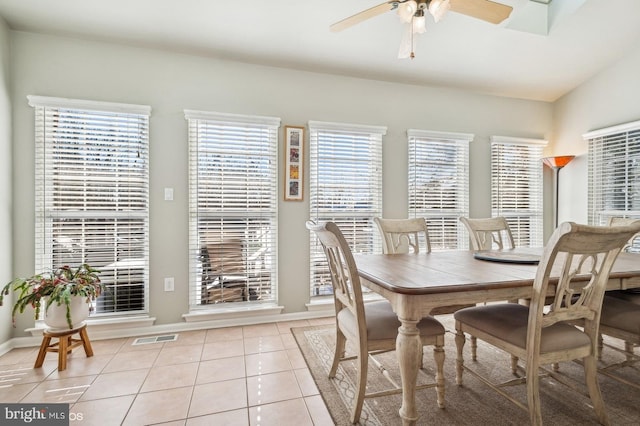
[{"x": 412, "y": 12}]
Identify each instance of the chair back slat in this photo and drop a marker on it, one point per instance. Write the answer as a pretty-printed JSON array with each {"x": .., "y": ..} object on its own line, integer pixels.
[
  {"x": 403, "y": 235},
  {"x": 489, "y": 233}
]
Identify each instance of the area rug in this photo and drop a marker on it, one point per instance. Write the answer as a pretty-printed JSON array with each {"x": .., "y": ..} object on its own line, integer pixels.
[{"x": 471, "y": 404}]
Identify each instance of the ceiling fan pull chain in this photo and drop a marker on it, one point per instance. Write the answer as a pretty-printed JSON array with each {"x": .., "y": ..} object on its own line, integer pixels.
[{"x": 413, "y": 46}]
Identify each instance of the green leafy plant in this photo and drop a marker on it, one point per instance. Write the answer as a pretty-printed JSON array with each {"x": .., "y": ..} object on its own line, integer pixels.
[{"x": 58, "y": 286}]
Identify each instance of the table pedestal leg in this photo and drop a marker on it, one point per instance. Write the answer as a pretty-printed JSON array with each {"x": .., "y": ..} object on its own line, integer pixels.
[{"x": 409, "y": 351}]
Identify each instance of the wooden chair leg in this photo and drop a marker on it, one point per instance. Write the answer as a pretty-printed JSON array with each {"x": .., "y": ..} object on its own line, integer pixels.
[
  {"x": 628, "y": 348},
  {"x": 46, "y": 340},
  {"x": 474, "y": 348},
  {"x": 63, "y": 347},
  {"x": 86, "y": 343},
  {"x": 533, "y": 395},
  {"x": 361, "y": 385},
  {"x": 438, "y": 356},
  {"x": 514, "y": 364},
  {"x": 600, "y": 346},
  {"x": 460, "y": 340},
  {"x": 591, "y": 378},
  {"x": 341, "y": 341}
]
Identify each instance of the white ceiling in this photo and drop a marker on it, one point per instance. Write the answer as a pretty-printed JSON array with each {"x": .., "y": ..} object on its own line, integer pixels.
[{"x": 459, "y": 51}]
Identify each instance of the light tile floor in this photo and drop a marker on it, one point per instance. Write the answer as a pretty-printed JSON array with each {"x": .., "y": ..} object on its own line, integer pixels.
[{"x": 251, "y": 375}]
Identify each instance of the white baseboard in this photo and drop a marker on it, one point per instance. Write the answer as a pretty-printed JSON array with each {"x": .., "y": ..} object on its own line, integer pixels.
[{"x": 135, "y": 326}]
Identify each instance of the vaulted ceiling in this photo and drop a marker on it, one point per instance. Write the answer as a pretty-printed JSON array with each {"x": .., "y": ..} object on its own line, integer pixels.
[{"x": 542, "y": 51}]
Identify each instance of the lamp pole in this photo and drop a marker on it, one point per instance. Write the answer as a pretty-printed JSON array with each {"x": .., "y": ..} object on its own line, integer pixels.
[{"x": 556, "y": 163}]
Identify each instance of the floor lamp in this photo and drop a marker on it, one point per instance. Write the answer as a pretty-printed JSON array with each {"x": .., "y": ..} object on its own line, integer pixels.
[{"x": 556, "y": 163}]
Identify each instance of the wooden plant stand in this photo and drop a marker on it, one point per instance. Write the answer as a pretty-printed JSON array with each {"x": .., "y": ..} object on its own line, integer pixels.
[{"x": 65, "y": 344}]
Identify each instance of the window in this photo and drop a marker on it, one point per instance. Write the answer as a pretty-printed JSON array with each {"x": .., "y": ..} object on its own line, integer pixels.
[
  {"x": 233, "y": 208},
  {"x": 614, "y": 174},
  {"x": 516, "y": 187},
  {"x": 92, "y": 194},
  {"x": 439, "y": 185},
  {"x": 346, "y": 188}
]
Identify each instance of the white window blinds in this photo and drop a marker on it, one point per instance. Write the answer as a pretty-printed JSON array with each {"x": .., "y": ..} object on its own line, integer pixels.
[
  {"x": 346, "y": 188},
  {"x": 92, "y": 194},
  {"x": 614, "y": 173},
  {"x": 439, "y": 185},
  {"x": 233, "y": 212},
  {"x": 516, "y": 187}
]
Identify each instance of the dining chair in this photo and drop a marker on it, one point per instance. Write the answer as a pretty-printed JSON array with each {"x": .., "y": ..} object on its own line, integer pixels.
[
  {"x": 489, "y": 233},
  {"x": 404, "y": 236},
  {"x": 621, "y": 317},
  {"x": 371, "y": 327},
  {"x": 574, "y": 267}
]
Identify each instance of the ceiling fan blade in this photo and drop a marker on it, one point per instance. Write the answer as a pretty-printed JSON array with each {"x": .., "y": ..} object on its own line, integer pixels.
[
  {"x": 364, "y": 15},
  {"x": 486, "y": 10}
]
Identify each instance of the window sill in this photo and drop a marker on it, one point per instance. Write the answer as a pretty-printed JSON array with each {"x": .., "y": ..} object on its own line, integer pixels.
[
  {"x": 257, "y": 313},
  {"x": 100, "y": 326},
  {"x": 326, "y": 304},
  {"x": 321, "y": 304}
]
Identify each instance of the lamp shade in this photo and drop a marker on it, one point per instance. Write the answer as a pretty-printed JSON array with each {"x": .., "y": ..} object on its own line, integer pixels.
[
  {"x": 558, "y": 162},
  {"x": 407, "y": 9},
  {"x": 438, "y": 8},
  {"x": 419, "y": 24}
]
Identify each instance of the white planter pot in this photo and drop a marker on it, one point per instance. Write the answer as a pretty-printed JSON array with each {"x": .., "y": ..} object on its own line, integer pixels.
[{"x": 56, "y": 316}]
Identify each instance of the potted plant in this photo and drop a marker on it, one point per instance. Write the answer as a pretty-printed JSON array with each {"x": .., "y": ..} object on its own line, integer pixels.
[{"x": 72, "y": 287}]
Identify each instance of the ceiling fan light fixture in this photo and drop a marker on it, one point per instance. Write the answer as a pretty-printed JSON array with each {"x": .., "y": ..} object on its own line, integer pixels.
[
  {"x": 419, "y": 24},
  {"x": 407, "y": 9},
  {"x": 438, "y": 8}
]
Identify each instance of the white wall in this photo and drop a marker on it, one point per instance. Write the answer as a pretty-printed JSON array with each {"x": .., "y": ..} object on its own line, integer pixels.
[
  {"x": 6, "y": 258},
  {"x": 171, "y": 82},
  {"x": 610, "y": 98}
]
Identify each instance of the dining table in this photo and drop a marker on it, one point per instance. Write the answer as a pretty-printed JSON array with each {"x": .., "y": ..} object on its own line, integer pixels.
[{"x": 418, "y": 284}]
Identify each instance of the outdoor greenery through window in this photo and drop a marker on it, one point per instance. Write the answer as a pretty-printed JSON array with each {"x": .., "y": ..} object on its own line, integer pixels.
[
  {"x": 516, "y": 187},
  {"x": 92, "y": 195},
  {"x": 614, "y": 174},
  {"x": 346, "y": 188},
  {"x": 233, "y": 208},
  {"x": 439, "y": 185}
]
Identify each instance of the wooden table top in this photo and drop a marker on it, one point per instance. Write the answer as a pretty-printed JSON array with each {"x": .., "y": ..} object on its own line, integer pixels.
[{"x": 458, "y": 271}]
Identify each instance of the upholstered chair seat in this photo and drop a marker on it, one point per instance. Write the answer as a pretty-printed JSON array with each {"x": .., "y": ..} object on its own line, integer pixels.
[
  {"x": 632, "y": 296},
  {"x": 621, "y": 314},
  {"x": 509, "y": 322}
]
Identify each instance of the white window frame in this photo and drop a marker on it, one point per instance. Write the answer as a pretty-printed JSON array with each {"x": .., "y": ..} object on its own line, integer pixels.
[
  {"x": 613, "y": 172},
  {"x": 102, "y": 198},
  {"x": 425, "y": 150},
  {"x": 243, "y": 139},
  {"x": 357, "y": 169},
  {"x": 517, "y": 187}
]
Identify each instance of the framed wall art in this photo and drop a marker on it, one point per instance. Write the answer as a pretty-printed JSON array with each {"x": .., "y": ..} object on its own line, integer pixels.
[{"x": 293, "y": 163}]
